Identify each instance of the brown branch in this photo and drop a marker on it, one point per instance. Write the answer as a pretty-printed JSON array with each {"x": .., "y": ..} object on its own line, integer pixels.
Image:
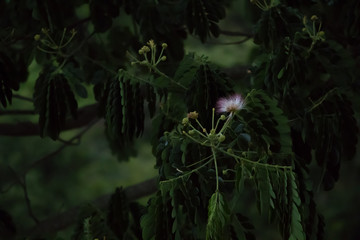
[
  {"x": 236, "y": 34},
  {"x": 86, "y": 115},
  {"x": 69, "y": 217},
  {"x": 22, "y": 98},
  {"x": 17, "y": 112},
  {"x": 74, "y": 140}
]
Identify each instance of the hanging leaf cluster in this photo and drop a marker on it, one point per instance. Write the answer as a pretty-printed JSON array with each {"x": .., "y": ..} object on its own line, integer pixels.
[{"x": 54, "y": 101}]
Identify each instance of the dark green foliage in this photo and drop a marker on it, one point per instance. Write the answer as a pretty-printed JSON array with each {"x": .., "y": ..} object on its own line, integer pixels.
[
  {"x": 118, "y": 216},
  {"x": 155, "y": 223},
  {"x": 202, "y": 17},
  {"x": 206, "y": 86},
  {"x": 92, "y": 224},
  {"x": 11, "y": 75},
  {"x": 275, "y": 24},
  {"x": 241, "y": 228},
  {"x": 300, "y": 111},
  {"x": 54, "y": 101},
  {"x": 102, "y": 13},
  {"x": 124, "y": 110}
]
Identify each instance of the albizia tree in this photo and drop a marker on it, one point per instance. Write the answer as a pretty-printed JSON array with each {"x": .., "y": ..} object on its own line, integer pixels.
[{"x": 218, "y": 140}]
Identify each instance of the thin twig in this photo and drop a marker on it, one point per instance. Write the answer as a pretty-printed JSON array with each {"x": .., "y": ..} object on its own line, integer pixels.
[
  {"x": 22, "y": 181},
  {"x": 236, "y": 34},
  {"x": 22, "y": 98},
  {"x": 67, "y": 143}
]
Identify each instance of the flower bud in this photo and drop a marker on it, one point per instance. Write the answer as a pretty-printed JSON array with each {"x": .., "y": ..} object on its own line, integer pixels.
[
  {"x": 222, "y": 117},
  {"x": 37, "y": 37},
  {"x": 314, "y": 18},
  {"x": 321, "y": 34},
  {"x": 164, "y": 45},
  {"x": 191, "y": 132},
  {"x": 221, "y": 138},
  {"x": 163, "y": 58},
  {"x": 193, "y": 115},
  {"x": 185, "y": 121}
]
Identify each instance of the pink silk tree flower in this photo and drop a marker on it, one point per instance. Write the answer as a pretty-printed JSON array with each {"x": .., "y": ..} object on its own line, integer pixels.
[{"x": 230, "y": 104}]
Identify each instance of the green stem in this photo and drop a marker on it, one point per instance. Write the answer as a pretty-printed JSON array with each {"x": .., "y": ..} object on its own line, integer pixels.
[
  {"x": 252, "y": 162},
  {"x": 216, "y": 168},
  {"x": 154, "y": 68}
]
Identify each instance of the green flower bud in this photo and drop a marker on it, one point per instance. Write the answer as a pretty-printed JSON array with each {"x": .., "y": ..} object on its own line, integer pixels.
[
  {"x": 321, "y": 34},
  {"x": 37, "y": 37},
  {"x": 164, "y": 45},
  {"x": 222, "y": 117},
  {"x": 185, "y": 121},
  {"x": 221, "y": 138},
  {"x": 191, "y": 132},
  {"x": 314, "y": 18}
]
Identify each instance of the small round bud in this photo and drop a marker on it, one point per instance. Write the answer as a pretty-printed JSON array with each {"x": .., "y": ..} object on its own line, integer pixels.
[
  {"x": 229, "y": 150},
  {"x": 185, "y": 121},
  {"x": 191, "y": 132},
  {"x": 304, "y": 29},
  {"x": 221, "y": 138},
  {"x": 314, "y": 18},
  {"x": 164, "y": 45},
  {"x": 151, "y": 43},
  {"x": 163, "y": 58},
  {"x": 73, "y": 31},
  {"x": 193, "y": 115},
  {"x": 321, "y": 34},
  {"x": 45, "y": 30},
  {"x": 212, "y": 131},
  {"x": 204, "y": 130},
  {"x": 222, "y": 117},
  {"x": 37, "y": 37}
]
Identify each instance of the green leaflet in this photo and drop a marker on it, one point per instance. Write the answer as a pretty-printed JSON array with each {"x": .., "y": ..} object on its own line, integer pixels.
[
  {"x": 296, "y": 229},
  {"x": 218, "y": 216},
  {"x": 92, "y": 224},
  {"x": 124, "y": 112},
  {"x": 155, "y": 223},
  {"x": 54, "y": 101},
  {"x": 266, "y": 123}
]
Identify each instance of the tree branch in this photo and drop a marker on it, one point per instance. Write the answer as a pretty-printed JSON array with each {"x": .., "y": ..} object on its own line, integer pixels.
[
  {"x": 74, "y": 140},
  {"x": 17, "y": 112},
  {"x": 69, "y": 217},
  {"x": 236, "y": 34},
  {"x": 86, "y": 115}
]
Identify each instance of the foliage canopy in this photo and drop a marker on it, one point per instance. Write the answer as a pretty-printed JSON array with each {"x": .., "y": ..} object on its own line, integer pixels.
[{"x": 299, "y": 92}]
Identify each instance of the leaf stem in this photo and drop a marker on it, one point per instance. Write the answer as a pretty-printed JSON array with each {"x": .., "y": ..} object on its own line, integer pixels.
[{"x": 216, "y": 168}]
